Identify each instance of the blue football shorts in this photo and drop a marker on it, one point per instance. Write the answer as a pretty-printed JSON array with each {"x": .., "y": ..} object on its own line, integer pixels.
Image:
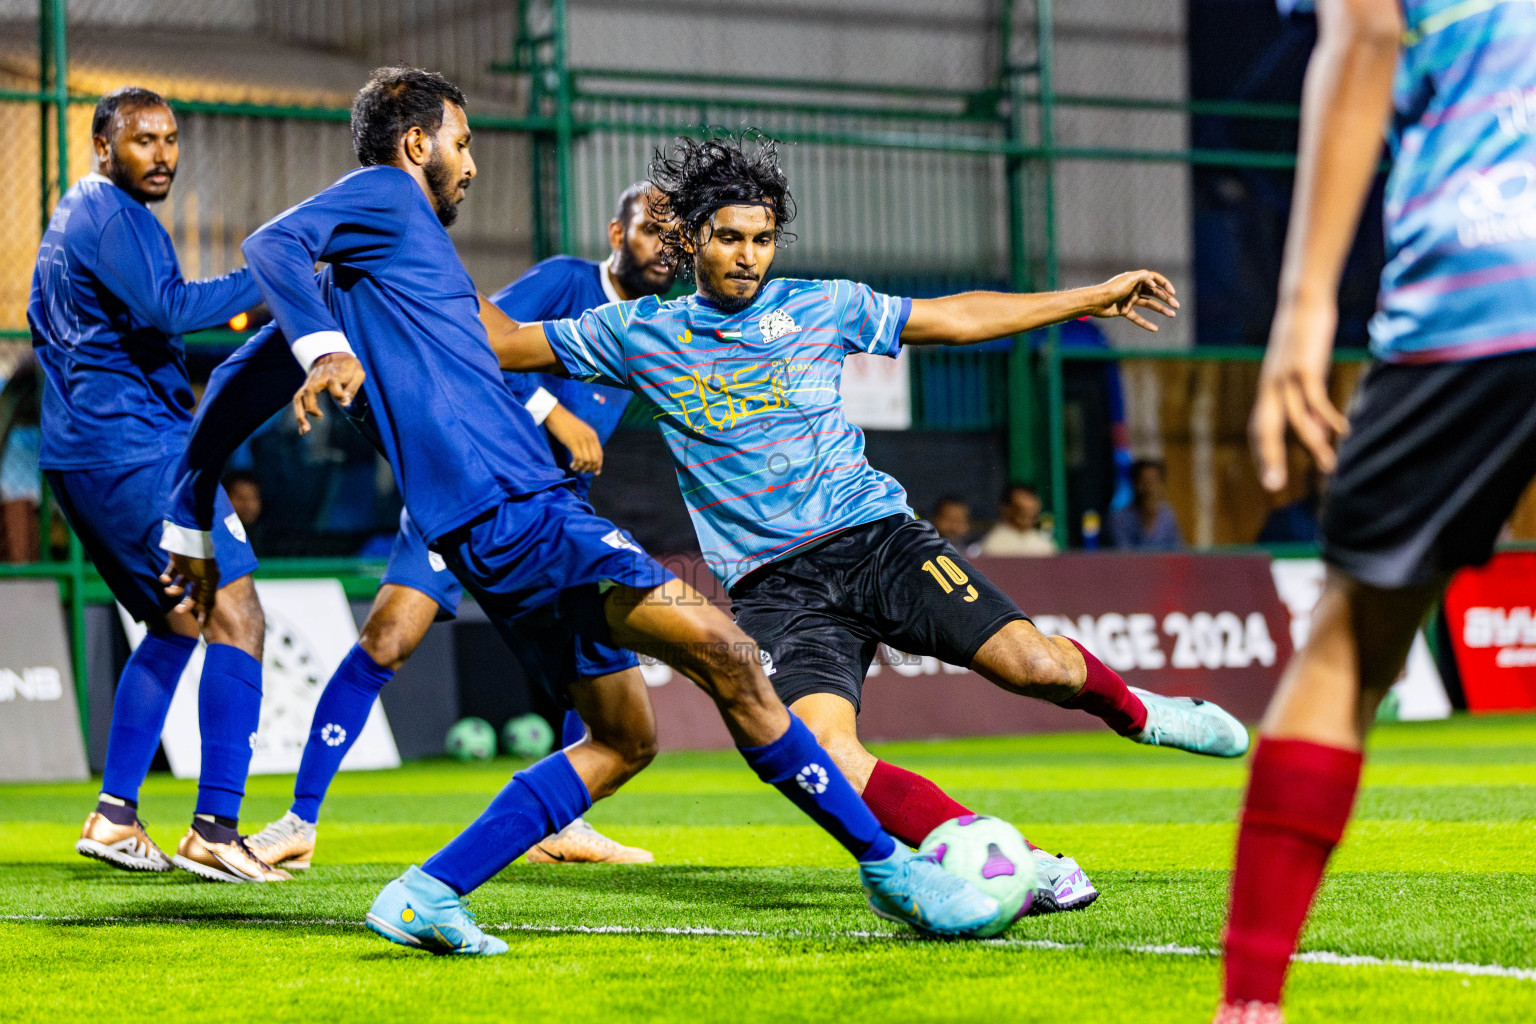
[{"x": 118, "y": 513}]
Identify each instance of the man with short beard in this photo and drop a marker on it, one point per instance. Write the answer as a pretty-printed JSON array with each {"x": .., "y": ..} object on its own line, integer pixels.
[
  {"x": 417, "y": 588},
  {"x": 107, "y": 313}
]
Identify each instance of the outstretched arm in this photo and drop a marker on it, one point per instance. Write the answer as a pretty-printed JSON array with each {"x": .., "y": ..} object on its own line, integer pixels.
[
  {"x": 1344, "y": 107},
  {"x": 973, "y": 317},
  {"x": 520, "y": 347},
  {"x": 130, "y": 262}
]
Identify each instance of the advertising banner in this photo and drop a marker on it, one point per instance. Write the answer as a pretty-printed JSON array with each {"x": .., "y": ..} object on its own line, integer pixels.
[
  {"x": 309, "y": 630},
  {"x": 1209, "y": 626},
  {"x": 1493, "y": 632},
  {"x": 39, "y": 721}
]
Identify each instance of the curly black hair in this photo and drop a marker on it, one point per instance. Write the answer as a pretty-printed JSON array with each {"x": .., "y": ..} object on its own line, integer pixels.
[{"x": 697, "y": 178}]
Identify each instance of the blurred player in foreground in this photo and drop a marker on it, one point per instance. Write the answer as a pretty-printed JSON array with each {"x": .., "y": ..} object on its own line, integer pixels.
[
  {"x": 417, "y": 588},
  {"x": 1442, "y": 438},
  {"x": 479, "y": 481},
  {"x": 822, "y": 554},
  {"x": 107, "y": 312}
]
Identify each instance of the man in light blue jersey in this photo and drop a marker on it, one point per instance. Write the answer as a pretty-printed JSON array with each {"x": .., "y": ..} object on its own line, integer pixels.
[
  {"x": 1441, "y": 440},
  {"x": 822, "y": 554},
  {"x": 107, "y": 312},
  {"x": 418, "y": 589},
  {"x": 480, "y": 482}
]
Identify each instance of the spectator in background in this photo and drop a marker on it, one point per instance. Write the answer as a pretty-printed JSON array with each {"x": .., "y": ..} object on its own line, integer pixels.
[
  {"x": 244, "y": 492},
  {"x": 1147, "y": 523},
  {"x": 1296, "y": 522},
  {"x": 1018, "y": 532},
  {"x": 952, "y": 519}
]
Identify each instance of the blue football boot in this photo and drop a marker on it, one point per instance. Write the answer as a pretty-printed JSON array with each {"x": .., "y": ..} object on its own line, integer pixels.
[
  {"x": 915, "y": 891},
  {"x": 418, "y": 910},
  {"x": 1188, "y": 723}
]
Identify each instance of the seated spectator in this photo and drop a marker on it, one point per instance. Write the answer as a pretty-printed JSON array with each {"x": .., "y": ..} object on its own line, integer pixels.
[
  {"x": 244, "y": 492},
  {"x": 1296, "y": 523},
  {"x": 1147, "y": 523},
  {"x": 952, "y": 518},
  {"x": 1018, "y": 532}
]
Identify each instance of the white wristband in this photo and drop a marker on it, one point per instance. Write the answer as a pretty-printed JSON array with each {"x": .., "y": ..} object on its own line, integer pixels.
[
  {"x": 321, "y": 343},
  {"x": 180, "y": 540},
  {"x": 540, "y": 404}
]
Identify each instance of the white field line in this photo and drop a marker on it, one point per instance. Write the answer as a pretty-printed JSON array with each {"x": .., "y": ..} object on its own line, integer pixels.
[{"x": 1167, "y": 949}]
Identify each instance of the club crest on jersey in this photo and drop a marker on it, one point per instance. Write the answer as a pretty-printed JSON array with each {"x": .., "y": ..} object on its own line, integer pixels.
[
  {"x": 616, "y": 539},
  {"x": 777, "y": 324}
]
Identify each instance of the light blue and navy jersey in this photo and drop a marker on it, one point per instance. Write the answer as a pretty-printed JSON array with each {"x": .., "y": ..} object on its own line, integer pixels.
[
  {"x": 457, "y": 440},
  {"x": 560, "y": 288},
  {"x": 107, "y": 312},
  {"x": 1460, "y": 277},
  {"x": 748, "y": 403}
]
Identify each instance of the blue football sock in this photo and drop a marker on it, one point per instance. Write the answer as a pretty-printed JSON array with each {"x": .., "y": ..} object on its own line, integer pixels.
[
  {"x": 339, "y": 718},
  {"x": 540, "y": 800},
  {"x": 572, "y": 730},
  {"x": 228, "y": 712},
  {"x": 797, "y": 766},
  {"x": 138, "y": 711}
]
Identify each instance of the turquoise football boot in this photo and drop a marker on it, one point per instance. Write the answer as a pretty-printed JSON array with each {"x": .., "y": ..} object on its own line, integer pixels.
[
  {"x": 1187, "y": 723},
  {"x": 418, "y": 910},
  {"x": 915, "y": 891}
]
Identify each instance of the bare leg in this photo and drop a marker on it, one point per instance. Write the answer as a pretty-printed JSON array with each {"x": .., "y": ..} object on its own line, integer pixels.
[
  {"x": 397, "y": 622},
  {"x": 1021, "y": 659},
  {"x": 621, "y": 731},
  {"x": 1359, "y": 640},
  {"x": 1305, "y": 772},
  {"x": 673, "y": 623}
]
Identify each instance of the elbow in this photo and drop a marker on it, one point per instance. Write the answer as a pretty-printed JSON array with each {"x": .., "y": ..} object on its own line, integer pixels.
[{"x": 1366, "y": 26}]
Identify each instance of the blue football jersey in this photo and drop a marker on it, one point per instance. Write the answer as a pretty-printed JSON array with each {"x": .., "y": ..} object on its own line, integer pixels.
[
  {"x": 749, "y": 405},
  {"x": 107, "y": 311},
  {"x": 1460, "y": 277},
  {"x": 558, "y": 288},
  {"x": 457, "y": 440}
]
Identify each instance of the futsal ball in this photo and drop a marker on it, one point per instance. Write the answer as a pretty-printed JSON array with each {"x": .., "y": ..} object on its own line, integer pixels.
[
  {"x": 527, "y": 736},
  {"x": 993, "y": 856},
  {"x": 471, "y": 739}
]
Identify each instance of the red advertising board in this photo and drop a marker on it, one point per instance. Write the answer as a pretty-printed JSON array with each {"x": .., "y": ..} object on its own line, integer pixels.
[
  {"x": 1493, "y": 632},
  {"x": 1207, "y": 626}
]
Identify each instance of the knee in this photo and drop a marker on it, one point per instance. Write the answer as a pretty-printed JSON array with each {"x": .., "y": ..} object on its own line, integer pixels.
[
  {"x": 238, "y": 619},
  {"x": 637, "y": 751},
  {"x": 389, "y": 643},
  {"x": 733, "y": 665}
]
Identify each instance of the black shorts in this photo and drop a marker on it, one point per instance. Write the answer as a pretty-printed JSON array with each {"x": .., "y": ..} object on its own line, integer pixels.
[
  {"x": 821, "y": 615},
  {"x": 1437, "y": 456}
]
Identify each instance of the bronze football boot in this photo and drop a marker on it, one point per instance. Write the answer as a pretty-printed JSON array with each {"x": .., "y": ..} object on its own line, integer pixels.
[{"x": 122, "y": 846}]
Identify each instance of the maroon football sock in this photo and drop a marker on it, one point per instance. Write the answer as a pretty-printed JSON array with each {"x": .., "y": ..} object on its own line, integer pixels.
[
  {"x": 1105, "y": 695},
  {"x": 1299, "y": 798},
  {"x": 907, "y": 805}
]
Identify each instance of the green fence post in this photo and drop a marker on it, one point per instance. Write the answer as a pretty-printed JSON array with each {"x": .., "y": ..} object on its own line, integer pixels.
[
  {"x": 1054, "y": 410},
  {"x": 564, "y": 123}
]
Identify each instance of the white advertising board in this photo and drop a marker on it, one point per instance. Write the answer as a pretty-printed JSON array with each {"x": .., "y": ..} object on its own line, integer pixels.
[{"x": 309, "y": 630}]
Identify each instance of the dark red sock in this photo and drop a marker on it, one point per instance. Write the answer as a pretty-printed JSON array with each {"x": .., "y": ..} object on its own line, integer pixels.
[
  {"x": 1299, "y": 798},
  {"x": 907, "y": 805},
  {"x": 1106, "y": 696}
]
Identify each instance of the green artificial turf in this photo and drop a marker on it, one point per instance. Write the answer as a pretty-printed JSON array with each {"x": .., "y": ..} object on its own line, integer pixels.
[{"x": 1436, "y": 869}]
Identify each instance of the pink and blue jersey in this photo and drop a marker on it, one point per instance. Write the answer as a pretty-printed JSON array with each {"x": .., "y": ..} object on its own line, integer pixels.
[
  {"x": 1460, "y": 276},
  {"x": 748, "y": 403}
]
